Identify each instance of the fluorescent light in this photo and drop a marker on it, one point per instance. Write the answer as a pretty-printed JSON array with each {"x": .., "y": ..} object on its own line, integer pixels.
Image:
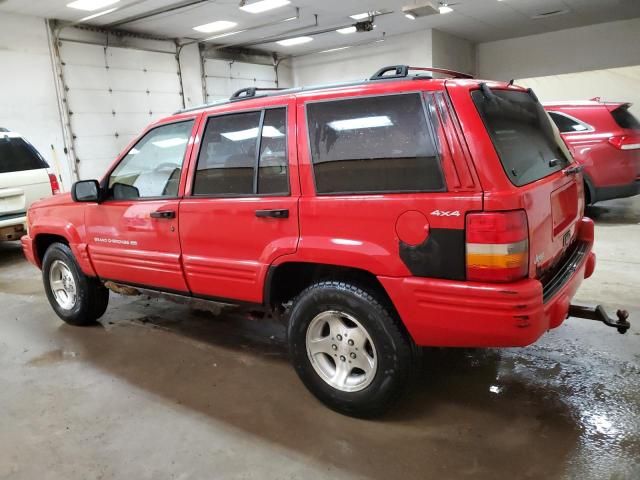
[
  {"x": 170, "y": 142},
  {"x": 264, "y": 5},
  {"x": 445, "y": 9},
  {"x": 362, "y": 16},
  {"x": 215, "y": 26},
  {"x": 267, "y": 131},
  {"x": 99, "y": 14},
  {"x": 362, "y": 122},
  {"x": 294, "y": 41},
  {"x": 334, "y": 49},
  {"x": 347, "y": 30},
  {"x": 410, "y": 16},
  {"x": 91, "y": 5}
]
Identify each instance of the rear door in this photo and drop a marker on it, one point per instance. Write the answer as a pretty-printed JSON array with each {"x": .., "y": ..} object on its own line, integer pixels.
[
  {"x": 23, "y": 176},
  {"x": 133, "y": 234},
  {"x": 240, "y": 212},
  {"x": 532, "y": 158},
  {"x": 385, "y": 183}
]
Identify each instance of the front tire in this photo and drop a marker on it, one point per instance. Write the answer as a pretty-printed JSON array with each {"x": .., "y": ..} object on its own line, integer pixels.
[
  {"x": 76, "y": 298},
  {"x": 349, "y": 349}
]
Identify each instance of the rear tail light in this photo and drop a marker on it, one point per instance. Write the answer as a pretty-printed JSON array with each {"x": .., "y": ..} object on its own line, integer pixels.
[
  {"x": 55, "y": 186},
  {"x": 625, "y": 142},
  {"x": 497, "y": 246}
]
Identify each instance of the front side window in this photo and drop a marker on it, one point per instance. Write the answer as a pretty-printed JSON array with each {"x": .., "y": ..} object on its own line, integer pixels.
[
  {"x": 153, "y": 166},
  {"x": 243, "y": 154},
  {"x": 373, "y": 144},
  {"x": 527, "y": 143},
  {"x": 567, "y": 124}
]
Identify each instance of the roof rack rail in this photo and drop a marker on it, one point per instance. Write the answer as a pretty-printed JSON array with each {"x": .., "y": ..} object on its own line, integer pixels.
[
  {"x": 249, "y": 92},
  {"x": 402, "y": 71}
]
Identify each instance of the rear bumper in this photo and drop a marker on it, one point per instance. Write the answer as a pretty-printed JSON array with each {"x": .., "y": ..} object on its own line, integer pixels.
[
  {"x": 467, "y": 314},
  {"x": 617, "y": 191},
  {"x": 12, "y": 227}
]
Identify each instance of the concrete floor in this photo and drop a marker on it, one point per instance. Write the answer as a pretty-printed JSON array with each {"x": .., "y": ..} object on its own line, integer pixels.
[{"x": 161, "y": 391}]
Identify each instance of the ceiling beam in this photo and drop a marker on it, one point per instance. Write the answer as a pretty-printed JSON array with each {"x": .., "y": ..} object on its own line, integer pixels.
[{"x": 155, "y": 12}]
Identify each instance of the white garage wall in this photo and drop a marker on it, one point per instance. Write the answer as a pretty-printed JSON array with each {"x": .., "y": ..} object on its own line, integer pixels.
[
  {"x": 454, "y": 53},
  {"x": 601, "y": 46},
  {"x": 28, "y": 102},
  {"x": 361, "y": 62},
  {"x": 225, "y": 77},
  {"x": 611, "y": 84}
]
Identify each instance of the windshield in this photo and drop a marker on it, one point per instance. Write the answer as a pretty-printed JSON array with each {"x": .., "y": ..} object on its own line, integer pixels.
[
  {"x": 17, "y": 155},
  {"x": 527, "y": 142}
]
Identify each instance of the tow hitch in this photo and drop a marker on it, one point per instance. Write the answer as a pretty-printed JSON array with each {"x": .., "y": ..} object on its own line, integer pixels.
[{"x": 598, "y": 313}]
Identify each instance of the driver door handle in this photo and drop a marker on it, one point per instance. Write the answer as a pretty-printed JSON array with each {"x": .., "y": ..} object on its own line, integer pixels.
[
  {"x": 163, "y": 214},
  {"x": 276, "y": 213}
]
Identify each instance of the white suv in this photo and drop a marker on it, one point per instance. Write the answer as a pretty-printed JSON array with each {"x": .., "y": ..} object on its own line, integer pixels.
[{"x": 24, "y": 179}]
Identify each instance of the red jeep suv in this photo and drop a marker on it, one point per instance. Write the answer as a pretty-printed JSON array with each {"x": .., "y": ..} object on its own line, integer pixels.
[
  {"x": 378, "y": 216},
  {"x": 604, "y": 137}
]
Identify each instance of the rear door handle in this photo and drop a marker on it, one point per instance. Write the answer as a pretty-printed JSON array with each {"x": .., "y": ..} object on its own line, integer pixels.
[
  {"x": 163, "y": 214},
  {"x": 277, "y": 213}
]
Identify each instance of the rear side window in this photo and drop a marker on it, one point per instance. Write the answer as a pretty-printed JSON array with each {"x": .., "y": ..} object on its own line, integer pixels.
[
  {"x": 243, "y": 154},
  {"x": 625, "y": 119},
  {"x": 16, "y": 155},
  {"x": 567, "y": 124},
  {"x": 373, "y": 144},
  {"x": 524, "y": 138}
]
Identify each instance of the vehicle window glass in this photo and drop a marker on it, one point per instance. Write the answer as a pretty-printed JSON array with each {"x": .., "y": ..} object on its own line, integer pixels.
[
  {"x": 524, "y": 138},
  {"x": 227, "y": 157},
  {"x": 272, "y": 170},
  {"x": 566, "y": 124},
  {"x": 16, "y": 155},
  {"x": 152, "y": 167},
  {"x": 373, "y": 144},
  {"x": 625, "y": 119}
]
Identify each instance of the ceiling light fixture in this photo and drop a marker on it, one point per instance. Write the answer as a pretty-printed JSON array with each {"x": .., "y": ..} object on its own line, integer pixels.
[
  {"x": 217, "y": 26},
  {"x": 96, "y": 15},
  {"x": 444, "y": 8},
  {"x": 334, "y": 49},
  {"x": 288, "y": 42},
  {"x": 410, "y": 16},
  {"x": 347, "y": 30},
  {"x": 263, "y": 5},
  {"x": 90, "y": 5},
  {"x": 362, "y": 16}
]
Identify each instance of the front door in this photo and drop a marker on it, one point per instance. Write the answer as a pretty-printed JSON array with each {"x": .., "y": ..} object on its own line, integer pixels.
[
  {"x": 240, "y": 211},
  {"x": 133, "y": 234}
]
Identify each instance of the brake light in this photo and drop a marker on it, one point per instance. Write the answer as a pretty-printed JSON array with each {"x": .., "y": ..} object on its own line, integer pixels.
[
  {"x": 625, "y": 142},
  {"x": 497, "y": 246},
  {"x": 55, "y": 186}
]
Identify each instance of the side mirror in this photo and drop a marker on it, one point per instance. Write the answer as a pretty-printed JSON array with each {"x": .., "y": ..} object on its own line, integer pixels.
[{"x": 86, "y": 191}]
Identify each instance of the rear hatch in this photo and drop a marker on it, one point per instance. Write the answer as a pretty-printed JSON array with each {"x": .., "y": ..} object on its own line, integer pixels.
[
  {"x": 627, "y": 140},
  {"x": 23, "y": 176},
  {"x": 538, "y": 165}
]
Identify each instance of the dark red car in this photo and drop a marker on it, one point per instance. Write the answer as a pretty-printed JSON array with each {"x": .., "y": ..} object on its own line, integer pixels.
[
  {"x": 376, "y": 217},
  {"x": 604, "y": 137}
]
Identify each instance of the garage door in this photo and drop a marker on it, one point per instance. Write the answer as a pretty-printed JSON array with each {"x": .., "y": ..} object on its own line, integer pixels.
[
  {"x": 224, "y": 77},
  {"x": 113, "y": 94}
]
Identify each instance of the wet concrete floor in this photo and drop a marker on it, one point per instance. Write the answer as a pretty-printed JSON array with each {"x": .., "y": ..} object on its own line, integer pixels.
[{"x": 159, "y": 390}]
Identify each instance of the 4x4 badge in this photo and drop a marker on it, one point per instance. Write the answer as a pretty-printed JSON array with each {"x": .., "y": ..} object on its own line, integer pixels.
[{"x": 445, "y": 213}]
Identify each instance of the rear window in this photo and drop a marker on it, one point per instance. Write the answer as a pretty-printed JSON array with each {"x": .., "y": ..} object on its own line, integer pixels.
[
  {"x": 373, "y": 144},
  {"x": 17, "y": 155},
  {"x": 525, "y": 140},
  {"x": 625, "y": 119}
]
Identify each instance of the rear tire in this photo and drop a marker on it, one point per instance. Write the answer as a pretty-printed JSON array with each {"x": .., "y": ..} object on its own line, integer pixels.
[
  {"x": 76, "y": 298},
  {"x": 349, "y": 349}
]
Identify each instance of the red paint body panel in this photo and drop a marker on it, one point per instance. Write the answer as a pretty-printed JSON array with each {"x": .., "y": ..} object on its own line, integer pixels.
[
  {"x": 610, "y": 171},
  {"x": 218, "y": 247}
]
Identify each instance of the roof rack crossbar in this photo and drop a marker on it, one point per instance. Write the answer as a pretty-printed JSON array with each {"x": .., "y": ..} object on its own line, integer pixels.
[
  {"x": 402, "y": 71},
  {"x": 249, "y": 92}
]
